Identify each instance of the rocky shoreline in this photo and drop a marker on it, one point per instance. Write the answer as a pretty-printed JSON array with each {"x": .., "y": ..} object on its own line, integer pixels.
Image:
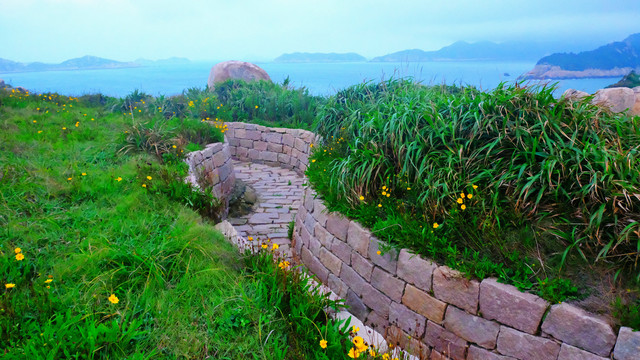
[{"x": 553, "y": 72}]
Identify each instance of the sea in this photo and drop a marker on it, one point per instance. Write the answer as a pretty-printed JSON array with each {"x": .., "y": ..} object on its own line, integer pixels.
[{"x": 319, "y": 78}]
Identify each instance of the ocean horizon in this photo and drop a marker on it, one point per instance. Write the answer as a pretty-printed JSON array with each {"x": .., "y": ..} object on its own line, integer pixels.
[{"x": 319, "y": 78}]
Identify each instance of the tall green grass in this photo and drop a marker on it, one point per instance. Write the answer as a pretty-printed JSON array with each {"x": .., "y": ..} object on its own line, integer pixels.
[{"x": 542, "y": 180}]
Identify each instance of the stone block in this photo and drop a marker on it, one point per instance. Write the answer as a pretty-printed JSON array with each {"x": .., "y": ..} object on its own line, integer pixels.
[
  {"x": 354, "y": 281},
  {"x": 320, "y": 212},
  {"x": 242, "y": 153},
  {"x": 356, "y": 306},
  {"x": 330, "y": 261},
  {"x": 225, "y": 170},
  {"x": 272, "y": 137},
  {"x": 314, "y": 265},
  {"x": 378, "y": 322},
  {"x": 408, "y": 343},
  {"x": 286, "y": 150},
  {"x": 357, "y": 237},
  {"x": 308, "y": 201},
  {"x": 389, "y": 285},
  {"x": 628, "y": 345},
  {"x": 387, "y": 260},
  {"x": 361, "y": 265},
  {"x": 424, "y": 304},
  {"x": 276, "y": 148},
  {"x": 415, "y": 270},
  {"x": 476, "y": 353},
  {"x": 325, "y": 238},
  {"x": 471, "y": 328},
  {"x": 452, "y": 287},
  {"x": 337, "y": 286},
  {"x": 510, "y": 306},
  {"x": 337, "y": 225},
  {"x": 521, "y": 345},
  {"x": 246, "y": 143},
  {"x": 445, "y": 342},
  {"x": 260, "y": 145},
  {"x": 375, "y": 299},
  {"x": 240, "y": 133},
  {"x": 284, "y": 158},
  {"x": 309, "y": 224},
  {"x": 233, "y": 142},
  {"x": 579, "y": 328},
  {"x": 412, "y": 323},
  {"x": 300, "y": 145},
  {"x": 254, "y": 154},
  {"x": 254, "y": 134},
  {"x": 287, "y": 139},
  {"x": 269, "y": 156},
  {"x": 568, "y": 352},
  {"x": 341, "y": 250}
]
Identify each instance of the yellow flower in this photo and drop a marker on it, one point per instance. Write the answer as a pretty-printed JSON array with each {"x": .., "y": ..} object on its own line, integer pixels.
[
  {"x": 84, "y": 174},
  {"x": 48, "y": 287},
  {"x": 461, "y": 194},
  {"x": 314, "y": 160},
  {"x": 474, "y": 187},
  {"x": 372, "y": 352},
  {"x": 19, "y": 257},
  {"x": 323, "y": 343},
  {"x": 310, "y": 145},
  {"x": 144, "y": 185},
  {"x": 385, "y": 356},
  {"x": 174, "y": 146},
  {"x": 275, "y": 247},
  {"x": 34, "y": 121},
  {"x": 435, "y": 225},
  {"x": 361, "y": 197},
  {"x": 384, "y": 188},
  {"x": 39, "y": 131},
  {"x": 48, "y": 281},
  {"x": 378, "y": 252},
  {"x": 459, "y": 200},
  {"x": 469, "y": 196},
  {"x": 358, "y": 341},
  {"x": 114, "y": 299},
  {"x": 379, "y": 205},
  {"x": 256, "y": 106},
  {"x": 388, "y": 195},
  {"x": 264, "y": 246},
  {"x": 283, "y": 265},
  {"x": 77, "y": 124},
  {"x": 69, "y": 179},
  {"x": 9, "y": 285},
  {"x": 148, "y": 177},
  {"x": 18, "y": 250},
  {"x": 384, "y": 193},
  {"x": 355, "y": 329},
  {"x": 408, "y": 188},
  {"x": 463, "y": 207},
  {"x": 250, "y": 238},
  {"x": 353, "y": 353},
  {"x": 64, "y": 128},
  {"x": 118, "y": 178}
]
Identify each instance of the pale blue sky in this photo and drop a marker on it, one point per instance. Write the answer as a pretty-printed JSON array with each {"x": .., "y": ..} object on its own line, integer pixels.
[{"x": 56, "y": 30}]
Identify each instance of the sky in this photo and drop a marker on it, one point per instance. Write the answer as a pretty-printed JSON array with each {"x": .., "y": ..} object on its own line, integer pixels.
[{"x": 260, "y": 30}]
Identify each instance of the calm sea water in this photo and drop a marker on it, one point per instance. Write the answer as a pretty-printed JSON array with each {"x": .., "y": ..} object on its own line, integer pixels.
[{"x": 319, "y": 78}]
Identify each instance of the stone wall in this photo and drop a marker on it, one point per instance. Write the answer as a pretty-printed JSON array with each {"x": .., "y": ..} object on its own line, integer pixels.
[
  {"x": 213, "y": 166},
  {"x": 435, "y": 311},
  {"x": 288, "y": 148}
]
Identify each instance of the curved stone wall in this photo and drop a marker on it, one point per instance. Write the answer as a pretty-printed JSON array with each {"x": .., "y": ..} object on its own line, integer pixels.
[
  {"x": 214, "y": 167},
  {"x": 288, "y": 148},
  {"x": 435, "y": 311}
]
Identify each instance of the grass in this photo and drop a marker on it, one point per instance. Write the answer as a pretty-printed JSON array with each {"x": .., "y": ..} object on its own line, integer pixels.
[
  {"x": 510, "y": 183},
  {"x": 103, "y": 253}
]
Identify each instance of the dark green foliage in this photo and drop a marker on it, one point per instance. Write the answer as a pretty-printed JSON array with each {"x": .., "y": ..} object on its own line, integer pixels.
[{"x": 630, "y": 80}]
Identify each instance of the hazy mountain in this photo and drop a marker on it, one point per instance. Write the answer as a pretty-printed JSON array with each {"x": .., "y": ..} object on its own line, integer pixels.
[
  {"x": 82, "y": 63},
  {"x": 612, "y": 60},
  {"x": 484, "y": 50},
  {"x": 299, "y": 57},
  {"x": 169, "y": 61}
]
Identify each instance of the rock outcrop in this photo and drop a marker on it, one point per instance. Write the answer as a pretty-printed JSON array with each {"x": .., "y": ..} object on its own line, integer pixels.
[
  {"x": 618, "y": 99},
  {"x": 237, "y": 70}
]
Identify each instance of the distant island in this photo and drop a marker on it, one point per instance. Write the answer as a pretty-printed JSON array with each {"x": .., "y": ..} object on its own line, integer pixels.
[
  {"x": 303, "y": 57},
  {"x": 612, "y": 60},
  {"x": 630, "y": 80},
  {"x": 479, "y": 51},
  {"x": 83, "y": 63}
]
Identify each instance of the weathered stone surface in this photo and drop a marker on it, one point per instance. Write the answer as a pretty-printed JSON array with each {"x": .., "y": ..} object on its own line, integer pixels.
[
  {"x": 577, "y": 327},
  {"x": 338, "y": 225},
  {"x": 524, "y": 346},
  {"x": 471, "y": 328},
  {"x": 254, "y": 154},
  {"x": 424, "y": 304},
  {"x": 314, "y": 265},
  {"x": 309, "y": 224},
  {"x": 476, "y": 353},
  {"x": 358, "y": 237},
  {"x": 414, "y": 324},
  {"x": 238, "y": 70},
  {"x": 452, "y": 287},
  {"x": 246, "y": 143},
  {"x": 356, "y": 306},
  {"x": 320, "y": 212},
  {"x": 574, "y": 95},
  {"x": 375, "y": 299},
  {"x": 342, "y": 251},
  {"x": 617, "y": 99},
  {"x": 260, "y": 145},
  {"x": 325, "y": 238},
  {"x": 415, "y": 270},
  {"x": 377, "y": 322},
  {"x": 445, "y": 342},
  {"x": 254, "y": 135},
  {"x": 272, "y": 137},
  {"x": 276, "y": 148},
  {"x": 287, "y": 139},
  {"x": 337, "y": 286},
  {"x": 308, "y": 200},
  {"x": 389, "y": 285},
  {"x": 330, "y": 261},
  {"x": 509, "y": 306},
  {"x": 361, "y": 265},
  {"x": 283, "y": 158},
  {"x": 219, "y": 158},
  {"x": 628, "y": 345},
  {"x": 568, "y": 352},
  {"x": 387, "y": 260},
  {"x": 269, "y": 156},
  {"x": 354, "y": 281}
]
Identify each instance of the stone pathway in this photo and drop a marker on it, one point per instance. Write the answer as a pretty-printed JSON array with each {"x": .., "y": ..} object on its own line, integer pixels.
[{"x": 279, "y": 195}]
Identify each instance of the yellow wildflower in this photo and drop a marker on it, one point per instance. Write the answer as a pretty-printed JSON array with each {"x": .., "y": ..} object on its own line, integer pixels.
[
  {"x": 435, "y": 225},
  {"x": 474, "y": 187},
  {"x": 48, "y": 281},
  {"x": 408, "y": 188},
  {"x": 148, "y": 177},
  {"x": 250, "y": 238},
  {"x": 264, "y": 246},
  {"x": 174, "y": 146},
  {"x": 114, "y": 299},
  {"x": 275, "y": 247},
  {"x": 378, "y": 252},
  {"x": 323, "y": 343},
  {"x": 459, "y": 200},
  {"x": 463, "y": 207},
  {"x": 144, "y": 185},
  {"x": 353, "y": 353},
  {"x": 69, "y": 179},
  {"x": 469, "y": 196},
  {"x": 355, "y": 329},
  {"x": 84, "y": 174},
  {"x": 118, "y": 178},
  {"x": 9, "y": 285},
  {"x": 17, "y": 250},
  {"x": 379, "y": 205},
  {"x": 39, "y": 131},
  {"x": 361, "y": 197},
  {"x": 461, "y": 194},
  {"x": 384, "y": 193},
  {"x": 19, "y": 257},
  {"x": 256, "y": 106}
]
